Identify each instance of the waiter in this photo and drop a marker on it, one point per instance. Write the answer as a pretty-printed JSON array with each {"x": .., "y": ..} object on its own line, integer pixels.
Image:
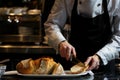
[{"x": 95, "y": 30}]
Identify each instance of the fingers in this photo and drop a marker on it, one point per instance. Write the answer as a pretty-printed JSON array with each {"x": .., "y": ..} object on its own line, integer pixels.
[
  {"x": 73, "y": 52},
  {"x": 63, "y": 51},
  {"x": 66, "y": 50},
  {"x": 94, "y": 65},
  {"x": 68, "y": 53},
  {"x": 93, "y": 62},
  {"x": 87, "y": 62}
]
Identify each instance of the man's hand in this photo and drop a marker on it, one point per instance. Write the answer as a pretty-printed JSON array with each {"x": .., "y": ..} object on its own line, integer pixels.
[
  {"x": 93, "y": 62},
  {"x": 66, "y": 50}
]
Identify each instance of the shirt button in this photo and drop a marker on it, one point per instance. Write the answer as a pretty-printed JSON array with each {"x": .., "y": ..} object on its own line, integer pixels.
[
  {"x": 80, "y": 2},
  {"x": 98, "y": 5}
]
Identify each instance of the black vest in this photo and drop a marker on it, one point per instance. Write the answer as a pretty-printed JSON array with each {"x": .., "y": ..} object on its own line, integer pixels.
[{"x": 88, "y": 35}]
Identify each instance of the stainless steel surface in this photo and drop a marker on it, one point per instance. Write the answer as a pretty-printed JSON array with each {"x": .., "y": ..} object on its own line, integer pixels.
[
  {"x": 26, "y": 49},
  {"x": 20, "y": 38}
]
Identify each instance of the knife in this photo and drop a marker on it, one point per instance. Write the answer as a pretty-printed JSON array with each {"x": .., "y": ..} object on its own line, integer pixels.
[{"x": 75, "y": 60}]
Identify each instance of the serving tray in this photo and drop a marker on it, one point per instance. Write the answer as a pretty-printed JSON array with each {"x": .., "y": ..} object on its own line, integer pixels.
[{"x": 67, "y": 74}]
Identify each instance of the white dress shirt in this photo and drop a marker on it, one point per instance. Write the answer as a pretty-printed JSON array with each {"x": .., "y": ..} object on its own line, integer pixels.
[{"x": 88, "y": 8}]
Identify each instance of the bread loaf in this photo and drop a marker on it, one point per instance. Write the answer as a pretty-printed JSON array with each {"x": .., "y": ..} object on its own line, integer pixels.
[{"x": 43, "y": 65}]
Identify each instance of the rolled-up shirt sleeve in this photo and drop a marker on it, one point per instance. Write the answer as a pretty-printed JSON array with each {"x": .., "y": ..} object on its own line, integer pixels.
[
  {"x": 55, "y": 37},
  {"x": 112, "y": 49},
  {"x": 108, "y": 53}
]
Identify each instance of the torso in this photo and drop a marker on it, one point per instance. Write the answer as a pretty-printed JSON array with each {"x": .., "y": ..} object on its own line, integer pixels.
[{"x": 88, "y": 35}]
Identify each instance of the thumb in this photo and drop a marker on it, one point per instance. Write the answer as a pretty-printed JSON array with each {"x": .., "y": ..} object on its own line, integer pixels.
[{"x": 87, "y": 62}]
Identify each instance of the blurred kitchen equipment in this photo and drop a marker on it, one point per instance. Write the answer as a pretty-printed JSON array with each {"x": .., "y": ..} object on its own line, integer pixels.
[
  {"x": 20, "y": 22},
  {"x": 19, "y": 25},
  {"x": 117, "y": 66},
  {"x": 2, "y": 69},
  {"x": 34, "y": 11}
]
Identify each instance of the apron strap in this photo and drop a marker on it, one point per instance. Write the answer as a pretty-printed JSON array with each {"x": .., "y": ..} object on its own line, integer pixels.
[
  {"x": 106, "y": 12},
  {"x": 74, "y": 10}
]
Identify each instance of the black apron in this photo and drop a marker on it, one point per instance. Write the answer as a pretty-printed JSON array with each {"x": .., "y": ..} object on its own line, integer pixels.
[{"x": 88, "y": 35}]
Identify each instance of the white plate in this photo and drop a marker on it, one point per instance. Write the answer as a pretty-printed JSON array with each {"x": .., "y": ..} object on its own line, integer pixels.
[{"x": 63, "y": 75}]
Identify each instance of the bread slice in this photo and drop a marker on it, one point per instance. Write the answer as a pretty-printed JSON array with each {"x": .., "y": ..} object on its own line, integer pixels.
[
  {"x": 78, "y": 68},
  {"x": 58, "y": 69},
  {"x": 46, "y": 66},
  {"x": 37, "y": 62}
]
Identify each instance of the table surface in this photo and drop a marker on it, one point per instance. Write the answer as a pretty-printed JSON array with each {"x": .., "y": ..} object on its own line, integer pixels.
[{"x": 96, "y": 76}]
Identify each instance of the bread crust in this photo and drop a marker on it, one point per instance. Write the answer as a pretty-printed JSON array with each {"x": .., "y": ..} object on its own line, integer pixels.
[
  {"x": 58, "y": 69},
  {"x": 26, "y": 68}
]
